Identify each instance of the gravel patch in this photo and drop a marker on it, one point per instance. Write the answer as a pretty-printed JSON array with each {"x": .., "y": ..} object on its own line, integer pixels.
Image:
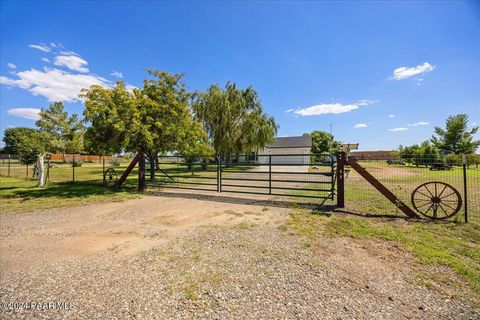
[{"x": 230, "y": 272}]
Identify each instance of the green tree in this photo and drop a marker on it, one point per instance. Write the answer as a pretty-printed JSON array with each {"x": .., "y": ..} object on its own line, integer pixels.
[
  {"x": 424, "y": 154},
  {"x": 323, "y": 142},
  {"x": 30, "y": 145},
  {"x": 456, "y": 137},
  {"x": 65, "y": 133},
  {"x": 233, "y": 119},
  {"x": 155, "y": 119},
  {"x": 14, "y": 137}
]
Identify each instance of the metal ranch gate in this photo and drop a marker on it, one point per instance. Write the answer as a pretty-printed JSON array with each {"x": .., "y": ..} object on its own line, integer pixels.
[
  {"x": 320, "y": 176},
  {"x": 292, "y": 175}
]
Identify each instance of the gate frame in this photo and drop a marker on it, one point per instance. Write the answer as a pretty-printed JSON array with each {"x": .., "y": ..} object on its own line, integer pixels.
[{"x": 140, "y": 159}]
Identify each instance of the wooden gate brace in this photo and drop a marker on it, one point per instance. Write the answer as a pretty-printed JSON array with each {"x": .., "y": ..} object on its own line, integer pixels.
[
  {"x": 373, "y": 181},
  {"x": 140, "y": 159}
]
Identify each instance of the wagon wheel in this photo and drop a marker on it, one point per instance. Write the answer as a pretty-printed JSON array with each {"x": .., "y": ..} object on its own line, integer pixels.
[
  {"x": 436, "y": 200},
  {"x": 110, "y": 177}
]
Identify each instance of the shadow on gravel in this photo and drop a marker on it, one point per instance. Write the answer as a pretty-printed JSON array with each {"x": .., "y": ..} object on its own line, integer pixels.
[{"x": 316, "y": 208}]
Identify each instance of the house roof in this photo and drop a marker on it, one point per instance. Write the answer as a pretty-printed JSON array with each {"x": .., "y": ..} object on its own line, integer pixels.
[{"x": 292, "y": 142}]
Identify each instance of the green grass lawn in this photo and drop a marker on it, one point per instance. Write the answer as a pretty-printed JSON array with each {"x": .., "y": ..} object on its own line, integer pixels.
[
  {"x": 453, "y": 245},
  {"x": 21, "y": 194}
]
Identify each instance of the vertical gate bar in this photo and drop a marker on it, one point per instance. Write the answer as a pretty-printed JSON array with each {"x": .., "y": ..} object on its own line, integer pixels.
[
  {"x": 27, "y": 170},
  {"x": 465, "y": 192},
  {"x": 9, "y": 164},
  {"x": 73, "y": 167},
  {"x": 218, "y": 174},
  {"x": 177, "y": 172},
  {"x": 332, "y": 180},
  {"x": 341, "y": 179},
  {"x": 270, "y": 174},
  {"x": 141, "y": 172}
]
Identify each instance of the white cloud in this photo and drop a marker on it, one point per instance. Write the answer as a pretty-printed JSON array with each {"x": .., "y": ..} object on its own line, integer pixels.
[
  {"x": 397, "y": 129},
  {"x": 331, "y": 108},
  {"x": 40, "y": 47},
  {"x": 45, "y": 60},
  {"x": 54, "y": 84},
  {"x": 365, "y": 102},
  {"x": 418, "y": 124},
  {"x": 72, "y": 62},
  {"x": 11, "y": 65},
  {"x": 391, "y": 115},
  {"x": 360, "y": 125},
  {"x": 290, "y": 110},
  {"x": 117, "y": 74},
  {"x": 407, "y": 72},
  {"x": 25, "y": 113},
  {"x": 326, "y": 108}
]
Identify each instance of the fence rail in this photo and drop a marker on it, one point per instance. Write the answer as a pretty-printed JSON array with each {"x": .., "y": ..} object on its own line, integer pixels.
[
  {"x": 292, "y": 175},
  {"x": 300, "y": 179}
]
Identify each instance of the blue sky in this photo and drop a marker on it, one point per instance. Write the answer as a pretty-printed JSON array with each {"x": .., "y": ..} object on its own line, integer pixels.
[{"x": 381, "y": 73}]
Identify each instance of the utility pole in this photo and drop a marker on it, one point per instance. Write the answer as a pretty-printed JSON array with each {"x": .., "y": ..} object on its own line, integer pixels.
[{"x": 330, "y": 128}]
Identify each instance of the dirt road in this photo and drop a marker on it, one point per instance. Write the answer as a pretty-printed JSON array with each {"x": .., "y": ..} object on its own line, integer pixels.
[{"x": 187, "y": 256}]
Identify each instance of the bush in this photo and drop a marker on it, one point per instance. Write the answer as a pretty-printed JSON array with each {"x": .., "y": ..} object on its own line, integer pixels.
[
  {"x": 115, "y": 162},
  {"x": 75, "y": 162}
]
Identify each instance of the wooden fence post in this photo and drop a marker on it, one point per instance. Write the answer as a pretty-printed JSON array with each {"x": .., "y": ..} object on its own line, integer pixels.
[
  {"x": 341, "y": 157},
  {"x": 141, "y": 172}
]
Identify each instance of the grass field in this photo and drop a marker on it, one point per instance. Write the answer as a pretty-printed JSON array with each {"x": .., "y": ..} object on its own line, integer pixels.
[{"x": 21, "y": 194}]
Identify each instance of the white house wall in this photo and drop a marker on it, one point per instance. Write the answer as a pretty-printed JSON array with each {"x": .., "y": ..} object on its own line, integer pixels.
[{"x": 280, "y": 156}]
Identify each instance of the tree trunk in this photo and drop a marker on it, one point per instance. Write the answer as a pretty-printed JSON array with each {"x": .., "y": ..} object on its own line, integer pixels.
[{"x": 40, "y": 170}]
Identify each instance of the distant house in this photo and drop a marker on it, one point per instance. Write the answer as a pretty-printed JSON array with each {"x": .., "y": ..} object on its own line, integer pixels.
[{"x": 285, "y": 150}]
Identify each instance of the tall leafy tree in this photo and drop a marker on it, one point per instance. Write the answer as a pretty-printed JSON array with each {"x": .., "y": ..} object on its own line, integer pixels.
[
  {"x": 30, "y": 145},
  {"x": 65, "y": 132},
  {"x": 323, "y": 142},
  {"x": 456, "y": 137},
  {"x": 155, "y": 119},
  {"x": 234, "y": 119}
]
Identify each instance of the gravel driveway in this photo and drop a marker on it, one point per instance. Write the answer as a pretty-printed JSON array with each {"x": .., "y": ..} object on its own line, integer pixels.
[{"x": 169, "y": 257}]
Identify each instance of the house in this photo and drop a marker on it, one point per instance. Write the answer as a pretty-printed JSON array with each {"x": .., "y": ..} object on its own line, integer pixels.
[{"x": 285, "y": 150}]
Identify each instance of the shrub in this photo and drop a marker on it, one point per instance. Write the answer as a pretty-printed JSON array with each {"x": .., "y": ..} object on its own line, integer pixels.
[
  {"x": 115, "y": 162},
  {"x": 75, "y": 162}
]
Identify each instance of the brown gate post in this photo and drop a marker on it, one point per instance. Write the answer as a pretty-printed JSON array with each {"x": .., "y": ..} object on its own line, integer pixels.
[
  {"x": 141, "y": 172},
  {"x": 341, "y": 157}
]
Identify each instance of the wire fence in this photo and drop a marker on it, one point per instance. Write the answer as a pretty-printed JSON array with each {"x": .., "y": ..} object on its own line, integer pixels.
[
  {"x": 404, "y": 176},
  {"x": 67, "y": 168},
  {"x": 262, "y": 174}
]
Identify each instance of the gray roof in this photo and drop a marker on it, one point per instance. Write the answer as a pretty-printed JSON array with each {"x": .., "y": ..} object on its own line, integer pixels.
[{"x": 292, "y": 142}]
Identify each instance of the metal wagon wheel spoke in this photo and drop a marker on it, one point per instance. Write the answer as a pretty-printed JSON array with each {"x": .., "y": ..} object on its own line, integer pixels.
[
  {"x": 423, "y": 194},
  {"x": 443, "y": 202},
  {"x": 425, "y": 187},
  {"x": 445, "y": 187},
  {"x": 110, "y": 177}
]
